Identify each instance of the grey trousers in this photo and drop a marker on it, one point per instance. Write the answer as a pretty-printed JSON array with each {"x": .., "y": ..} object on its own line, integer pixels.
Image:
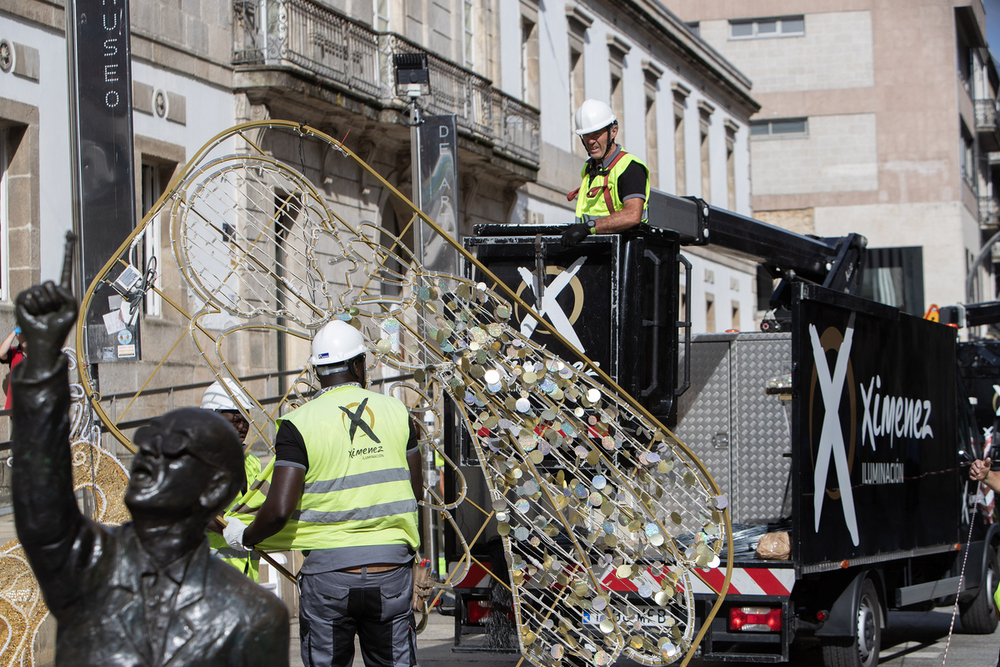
[{"x": 334, "y": 606}]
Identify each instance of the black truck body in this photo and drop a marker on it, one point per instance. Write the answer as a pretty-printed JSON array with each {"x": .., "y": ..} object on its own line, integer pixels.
[{"x": 848, "y": 427}]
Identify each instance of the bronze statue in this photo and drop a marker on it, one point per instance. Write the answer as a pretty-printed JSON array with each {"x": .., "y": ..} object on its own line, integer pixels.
[{"x": 147, "y": 592}]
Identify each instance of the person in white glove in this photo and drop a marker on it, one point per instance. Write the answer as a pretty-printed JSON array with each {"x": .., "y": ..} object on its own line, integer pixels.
[
  {"x": 234, "y": 534},
  {"x": 222, "y": 397}
]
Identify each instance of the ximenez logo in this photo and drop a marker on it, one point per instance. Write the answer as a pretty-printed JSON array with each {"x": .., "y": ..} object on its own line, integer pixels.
[
  {"x": 890, "y": 417},
  {"x": 366, "y": 452},
  {"x": 885, "y": 420},
  {"x": 547, "y": 304},
  {"x": 831, "y": 439},
  {"x": 357, "y": 418}
]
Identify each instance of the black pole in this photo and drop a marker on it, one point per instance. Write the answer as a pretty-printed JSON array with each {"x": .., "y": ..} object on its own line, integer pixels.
[{"x": 103, "y": 156}]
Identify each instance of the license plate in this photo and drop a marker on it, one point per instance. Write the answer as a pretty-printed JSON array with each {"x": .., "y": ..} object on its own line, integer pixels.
[{"x": 654, "y": 616}]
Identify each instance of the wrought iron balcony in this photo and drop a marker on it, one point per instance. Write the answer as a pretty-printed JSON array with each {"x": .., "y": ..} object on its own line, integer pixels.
[
  {"x": 989, "y": 213},
  {"x": 351, "y": 57},
  {"x": 987, "y": 115}
]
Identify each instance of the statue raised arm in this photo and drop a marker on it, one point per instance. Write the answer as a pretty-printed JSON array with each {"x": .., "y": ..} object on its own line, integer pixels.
[{"x": 147, "y": 592}]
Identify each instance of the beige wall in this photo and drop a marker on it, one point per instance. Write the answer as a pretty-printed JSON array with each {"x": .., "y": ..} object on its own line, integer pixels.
[
  {"x": 914, "y": 97},
  {"x": 937, "y": 226},
  {"x": 800, "y": 221},
  {"x": 838, "y": 155},
  {"x": 201, "y": 28},
  {"x": 878, "y": 83},
  {"x": 907, "y": 80},
  {"x": 835, "y": 52},
  {"x": 918, "y": 117}
]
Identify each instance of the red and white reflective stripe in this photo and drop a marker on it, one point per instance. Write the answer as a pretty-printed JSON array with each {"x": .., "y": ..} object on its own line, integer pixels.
[
  {"x": 611, "y": 582},
  {"x": 745, "y": 581},
  {"x": 478, "y": 576}
]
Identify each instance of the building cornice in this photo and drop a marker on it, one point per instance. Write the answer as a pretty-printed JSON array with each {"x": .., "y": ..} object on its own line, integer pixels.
[
  {"x": 575, "y": 12},
  {"x": 652, "y": 68},
  {"x": 176, "y": 59},
  {"x": 702, "y": 58},
  {"x": 48, "y": 14},
  {"x": 619, "y": 45}
]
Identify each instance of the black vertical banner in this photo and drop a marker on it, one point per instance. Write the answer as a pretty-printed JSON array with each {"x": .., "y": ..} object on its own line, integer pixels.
[
  {"x": 439, "y": 190},
  {"x": 101, "y": 96}
]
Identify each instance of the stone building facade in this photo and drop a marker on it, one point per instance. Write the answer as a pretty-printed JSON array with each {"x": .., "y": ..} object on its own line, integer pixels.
[
  {"x": 512, "y": 72},
  {"x": 879, "y": 118}
]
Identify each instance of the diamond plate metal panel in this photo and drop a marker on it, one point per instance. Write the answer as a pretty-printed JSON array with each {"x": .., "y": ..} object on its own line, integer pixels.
[
  {"x": 761, "y": 427},
  {"x": 703, "y": 411},
  {"x": 737, "y": 430}
]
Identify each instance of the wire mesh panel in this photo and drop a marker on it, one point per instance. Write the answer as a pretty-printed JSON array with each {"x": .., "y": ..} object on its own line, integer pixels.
[{"x": 246, "y": 232}]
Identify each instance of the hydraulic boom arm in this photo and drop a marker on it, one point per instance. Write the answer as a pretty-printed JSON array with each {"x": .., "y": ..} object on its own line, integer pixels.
[{"x": 835, "y": 263}]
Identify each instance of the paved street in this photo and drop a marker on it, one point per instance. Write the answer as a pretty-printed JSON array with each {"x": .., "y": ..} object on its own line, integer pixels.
[
  {"x": 913, "y": 640},
  {"x": 919, "y": 639}
]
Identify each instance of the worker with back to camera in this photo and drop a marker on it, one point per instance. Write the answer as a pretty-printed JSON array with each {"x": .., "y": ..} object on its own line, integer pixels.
[
  {"x": 347, "y": 474},
  {"x": 614, "y": 193},
  {"x": 218, "y": 399}
]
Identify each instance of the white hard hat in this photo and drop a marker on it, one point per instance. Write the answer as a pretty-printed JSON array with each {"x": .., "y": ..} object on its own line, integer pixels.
[
  {"x": 216, "y": 398},
  {"x": 336, "y": 343},
  {"x": 593, "y": 115}
]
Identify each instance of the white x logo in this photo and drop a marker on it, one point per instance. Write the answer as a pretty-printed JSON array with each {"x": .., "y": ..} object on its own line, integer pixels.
[
  {"x": 548, "y": 305},
  {"x": 831, "y": 440}
]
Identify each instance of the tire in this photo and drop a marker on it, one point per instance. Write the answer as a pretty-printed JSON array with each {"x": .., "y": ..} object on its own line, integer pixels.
[
  {"x": 978, "y": 617},
  {"x": 863, "y": 650}
]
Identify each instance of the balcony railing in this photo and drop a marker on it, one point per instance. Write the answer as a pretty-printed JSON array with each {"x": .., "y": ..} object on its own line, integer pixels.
[
  {"x": 987, "y": 115},
  {"x": 351, "y": 56},
  {"x": 989, "y": 213}
]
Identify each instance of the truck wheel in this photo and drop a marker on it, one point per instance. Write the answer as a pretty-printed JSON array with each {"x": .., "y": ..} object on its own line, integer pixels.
[
  {"x": 977, "y": 616},
  {"x": 862, "y": 651}
]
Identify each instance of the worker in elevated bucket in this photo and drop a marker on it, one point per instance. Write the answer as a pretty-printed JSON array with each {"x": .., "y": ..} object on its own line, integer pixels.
[{"x": 614, "y": 194}]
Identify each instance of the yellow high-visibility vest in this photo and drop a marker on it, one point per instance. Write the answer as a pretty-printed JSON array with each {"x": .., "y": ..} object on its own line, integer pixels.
[
  {"x": 598, "y": 197},
  {"x": 357, "y": 489},
  {"x": 246, "y": 562}
]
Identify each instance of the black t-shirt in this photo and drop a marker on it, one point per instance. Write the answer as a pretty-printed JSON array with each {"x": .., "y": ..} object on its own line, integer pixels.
[
  {"x": 631, "y": 182},
  {"x": 290, "y": 448}
]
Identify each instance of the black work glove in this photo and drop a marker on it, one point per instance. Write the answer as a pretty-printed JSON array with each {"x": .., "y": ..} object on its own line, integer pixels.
[{"x": 574, "y": 234}]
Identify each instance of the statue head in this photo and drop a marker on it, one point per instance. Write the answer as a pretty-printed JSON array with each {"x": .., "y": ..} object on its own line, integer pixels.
[{"x": 188, "y": 464}]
